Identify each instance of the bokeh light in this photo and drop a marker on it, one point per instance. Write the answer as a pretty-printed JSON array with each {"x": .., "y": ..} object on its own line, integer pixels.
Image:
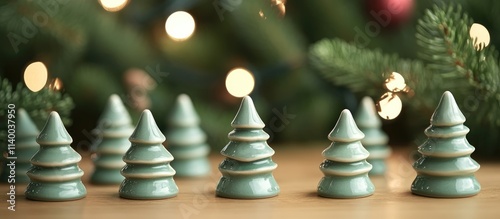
[
  {"x": 35, "y": 76},
  {"x": 389, "y": 106},
  {"x": 240, "y": 82},
  {"x": 395, "y": 82},
  {"x": 280, "y": 6},
  {"x": 113, "y": 5},
  {"x": 56, "y": 84},
  {"x": 480, "y": 34},
  {"x": 180, "y": 25}
]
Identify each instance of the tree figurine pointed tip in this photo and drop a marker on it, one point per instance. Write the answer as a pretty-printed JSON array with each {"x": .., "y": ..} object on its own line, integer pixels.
[
  {"x": 247, "y": 168},
  {"x": 55, "y": 175},
  {"x": 247, "y": 116},
  {"x": 147, "y": 164},
  {"x": 447, "y": 112},
  {"x": 114, "y": 128},
  {"x": 445, "y": 168},
  {"x": 345, "y": 167},
  {"x": 375, "y": 140},
  {"x": 186, "y": 140},
  {"x": 114, "y": 112},
  {"x": 345, "y": 129},
  {"x": 147, "y": 129},
  {"x": 26, "y": 147},
  {"x": 54, "y": 131}
]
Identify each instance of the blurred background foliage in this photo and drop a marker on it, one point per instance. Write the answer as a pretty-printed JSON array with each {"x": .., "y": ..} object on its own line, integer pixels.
[{"x": 94, "y": 53}]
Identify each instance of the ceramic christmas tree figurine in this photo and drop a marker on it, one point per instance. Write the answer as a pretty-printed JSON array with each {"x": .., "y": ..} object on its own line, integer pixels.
[
  {"x": 247, "y": 169},
  {"x": 186, "y": 140},
  {"x": 26, "y": 147},
  {"x": 148, "y": 174},
  {"x": 114, "y": 128},
  {"x": 345, "y": 167},
  {"x": 445, "y": 168},
  {"x": 375, "y": 140},
  {"x": 55, "y": 175}
]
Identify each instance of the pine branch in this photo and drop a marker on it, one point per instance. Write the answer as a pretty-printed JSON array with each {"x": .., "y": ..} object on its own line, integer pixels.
[
  {"x": 448, "y": 61},
  {"x": 364, "y": 71},
  {"x": 38, "y": 105},
  {"x": 470, "y": 71}
]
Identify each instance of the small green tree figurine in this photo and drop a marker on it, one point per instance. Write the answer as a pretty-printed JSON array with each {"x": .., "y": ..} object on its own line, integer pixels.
[
  {"x": 375, "y": 140},
  {"x": 186, "y": 140},
  {"x": 345, "y": 167},
  {"x": 114, "y": 129},
  {"x": 25, "y": 148},
  {"x": 445, "y": 168},
  {"x": 55, "y": 175},
  {"x": 247, "y": 169},
  {"x": 148, "y": 174}
]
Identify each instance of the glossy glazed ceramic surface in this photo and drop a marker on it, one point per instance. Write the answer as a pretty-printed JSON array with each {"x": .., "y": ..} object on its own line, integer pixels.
[
  {"x": 148, "y": 174},
  {"x": 375, "y": 140},
  {"x": 55, "y": 175},
  {"x": 445, "y": 168},
  {"x": 247, "y": 169},
  {"x": 114, "y": 128},
  {"x": 26, "y": 147},
  {"x": 345, "y": 167},
  {"x": 186, "y": 140}
]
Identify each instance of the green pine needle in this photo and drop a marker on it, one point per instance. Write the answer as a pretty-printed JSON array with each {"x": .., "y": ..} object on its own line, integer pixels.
[
  {"x": 448, "y": 61},
  {"x": 37, "y": 104}
]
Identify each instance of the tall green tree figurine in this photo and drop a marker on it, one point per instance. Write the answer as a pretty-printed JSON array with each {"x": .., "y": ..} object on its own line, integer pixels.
[
  {"x": 55, "y": 175},
  {"x": 26, "y": 147},
  {"x": 186, "y": 140},
  {"x": 375, "y": 140},
  {"x": 247, "y": 169},
  {"x": 148, "y": 174},
  {"x": 345, "y": 166},
  {"x": 445, "y": 168},
  {"x": 114, "y": 128}
]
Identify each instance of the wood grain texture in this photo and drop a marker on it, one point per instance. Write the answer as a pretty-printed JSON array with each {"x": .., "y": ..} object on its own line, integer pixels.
[{"x": 297, "y": 174}]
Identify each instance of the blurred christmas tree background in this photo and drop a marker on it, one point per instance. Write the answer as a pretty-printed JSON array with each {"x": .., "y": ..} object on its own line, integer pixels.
[{"x": 92, "y": 49}]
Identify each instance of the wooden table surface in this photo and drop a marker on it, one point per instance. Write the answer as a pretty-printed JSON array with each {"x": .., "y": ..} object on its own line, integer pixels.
[{"x": 297, "y": 174}]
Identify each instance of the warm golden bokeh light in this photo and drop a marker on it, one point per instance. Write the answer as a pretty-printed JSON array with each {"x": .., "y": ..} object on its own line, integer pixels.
[
  {"x": 35, "y": 76},
  {"x": 239, "y": 82},
  {"x": 389, "y": 106},
  {"x": 180, "y": 25},
  {"x": 56, "y": 84},
  {"x": 395, "y": 82},
  {"x": 480, "y": 34},
  {"x": 280, "y": 6},
  {"x": 113, "y": 5}
]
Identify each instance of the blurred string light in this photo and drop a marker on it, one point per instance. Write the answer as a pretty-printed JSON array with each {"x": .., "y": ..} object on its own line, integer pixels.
[
  {"x": 56, "y": 84},
  {"x": 113, "y": 5},
  {"x": 276, "y": 5},
  {"x": 396, "y": 83},
  {"x": 280, "y": 6},
  {"x": 35, "y": 76},
  {"x": 389, "y": 106},
  {"x": 180, "y": 25},
  {"x": 480, "y": 35},
  {"x": 239, "y": 82}
]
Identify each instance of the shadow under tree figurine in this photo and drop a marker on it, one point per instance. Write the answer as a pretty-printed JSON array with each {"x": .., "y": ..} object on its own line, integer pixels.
[
  {"x": 55, "y": 175},
  {"x": 445, "y": 168},
  {"x": 148, "y": 174},
  {"x": 26, "y": 147},
  {"x": 186, "y": 140},
  {"x": 247, "y": 169},
  {"x": 375, "y": 140},
  {"x": 345, "y": 166},
  {"x": 114, "y": 129}
]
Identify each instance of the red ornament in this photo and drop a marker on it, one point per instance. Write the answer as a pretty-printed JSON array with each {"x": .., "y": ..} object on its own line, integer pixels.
[{"x": 390, "y": 13}]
